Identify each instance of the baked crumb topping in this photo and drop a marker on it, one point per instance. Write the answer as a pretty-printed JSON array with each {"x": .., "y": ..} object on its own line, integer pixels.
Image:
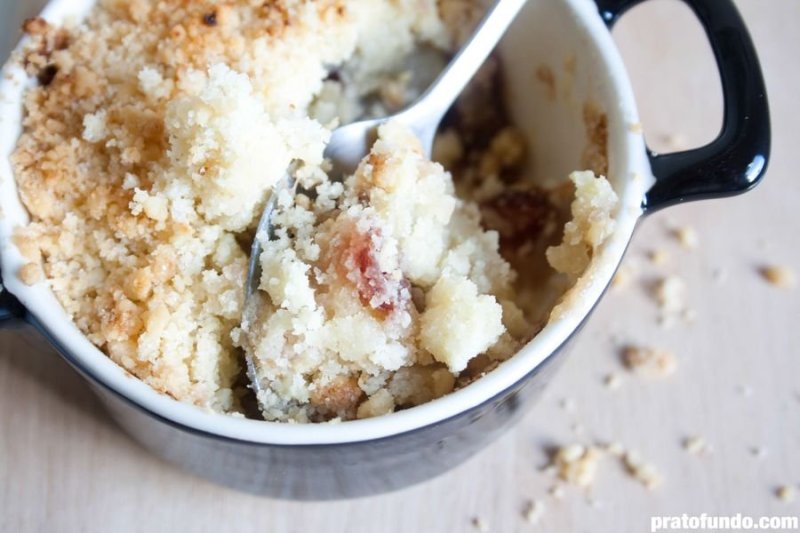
[
  {"x": 386, "y": 272},
  {"x": 157, "y": 131},
  {"x": 150, "y": 145}
]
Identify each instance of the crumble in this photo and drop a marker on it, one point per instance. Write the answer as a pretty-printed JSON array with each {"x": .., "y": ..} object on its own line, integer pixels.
[
  {"x": 157, "y": 131},
  {"x": 149, "y": 149},
  {"x": 379, "y": 291}
]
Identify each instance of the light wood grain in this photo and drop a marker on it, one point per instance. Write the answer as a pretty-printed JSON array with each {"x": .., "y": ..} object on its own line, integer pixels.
[{"x": 65, "y": 467}]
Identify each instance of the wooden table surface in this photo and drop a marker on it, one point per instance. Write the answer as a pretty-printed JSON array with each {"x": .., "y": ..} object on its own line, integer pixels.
[{"x": 64, "y": 466}]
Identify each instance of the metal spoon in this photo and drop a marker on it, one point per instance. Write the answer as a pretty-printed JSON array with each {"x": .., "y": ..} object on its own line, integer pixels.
[{"x": 350, "y": 143}]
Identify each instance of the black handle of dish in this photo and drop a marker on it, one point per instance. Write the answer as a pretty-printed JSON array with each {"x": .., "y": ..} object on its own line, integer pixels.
[{"x": 736, "y": 160}]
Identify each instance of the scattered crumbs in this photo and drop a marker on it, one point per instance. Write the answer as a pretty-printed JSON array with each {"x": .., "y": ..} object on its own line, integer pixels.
[
  {"x": 568, "y": 405},
  {"x": 613, "y": 381},
  {"x": 687, "y": 237},
  {"x": 625, "y": 273},
  {"x": 696, "y": 445},
  {"x": 480, "y": 524},
  {"x": 533, "y": 511},
  {"x": 674, "y": 141},
  {"x": 577, "y": 464},
  {"x": 759, "y": 452},
  {"x": 557, "y": 491},
  {"x": 594, "y": 503},
  {"x": 650, "y": 362},
  {"x": 545, "y": 75},
  {"x": 549, "y": 470},
  {"x": 635, "y": 128},
  {"x": 658, "y": 256},
  {"x": 30, "y": 274},
  {"x": 645, "y": 473},
  {"x": 745, "y": 391},
  {"x": 670, "y": 293},
  {"x": 782, "y": 277},
  {"x": 621, "y": 278},
  {"x": 719, "y": 275},
  {"x": 612, "y": 448},
  {"x": 786, "y": 493}
]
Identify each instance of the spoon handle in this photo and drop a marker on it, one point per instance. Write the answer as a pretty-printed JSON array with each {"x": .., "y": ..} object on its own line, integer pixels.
[{"x": 435, "y": 102}]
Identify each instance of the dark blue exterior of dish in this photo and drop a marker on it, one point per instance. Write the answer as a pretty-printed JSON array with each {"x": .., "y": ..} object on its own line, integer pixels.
[{"x": 324, "y": 472}]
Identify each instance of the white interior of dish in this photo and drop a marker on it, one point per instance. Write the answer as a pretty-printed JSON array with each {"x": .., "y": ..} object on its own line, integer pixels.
[{"x": 546, "y": 33}]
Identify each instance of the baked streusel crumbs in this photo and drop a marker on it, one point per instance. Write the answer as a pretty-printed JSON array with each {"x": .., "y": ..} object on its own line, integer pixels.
[
  {"x": 151, "y": 143},
  {"x": 153, "y": 139}
]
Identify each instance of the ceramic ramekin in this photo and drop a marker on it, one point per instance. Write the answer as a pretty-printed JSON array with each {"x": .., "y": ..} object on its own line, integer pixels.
[{"x": 325, "y": 461}]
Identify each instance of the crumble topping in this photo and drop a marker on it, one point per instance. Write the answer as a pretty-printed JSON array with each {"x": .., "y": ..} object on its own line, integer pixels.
[
  {"x": 149, "y": 148},
  {"x": 387, "y": 271},
  {"x": 154, "y": 137},
  {"x": 592, "y": 223}
]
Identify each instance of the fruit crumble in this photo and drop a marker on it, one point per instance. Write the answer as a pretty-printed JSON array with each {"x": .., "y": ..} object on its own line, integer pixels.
[{"x": 154, "y": 135}]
